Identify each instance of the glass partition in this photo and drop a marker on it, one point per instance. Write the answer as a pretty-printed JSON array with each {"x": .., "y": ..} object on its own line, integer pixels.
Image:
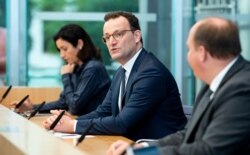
[
  {"x": 32, "y": 59},
  {"x": 3, "y": 37},
  {"x": 46, "y": 18}
]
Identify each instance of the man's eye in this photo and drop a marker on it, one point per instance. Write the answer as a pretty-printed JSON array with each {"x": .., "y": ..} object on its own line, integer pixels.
[
  {"x": 107, "y": 37},
  {"x": 118, "y": 34}
]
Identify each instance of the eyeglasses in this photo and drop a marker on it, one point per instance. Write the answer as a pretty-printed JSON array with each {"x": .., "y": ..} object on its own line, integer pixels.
[{"x": 116, "y": 35}]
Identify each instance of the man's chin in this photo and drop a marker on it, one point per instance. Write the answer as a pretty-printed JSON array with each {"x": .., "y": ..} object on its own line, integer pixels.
[{"x": 116, "y": 58}]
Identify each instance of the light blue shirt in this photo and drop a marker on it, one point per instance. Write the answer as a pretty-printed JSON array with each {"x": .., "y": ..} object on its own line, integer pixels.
[
  {"x": 128, "y": 67},
  {"x": 217, "y": 80}
]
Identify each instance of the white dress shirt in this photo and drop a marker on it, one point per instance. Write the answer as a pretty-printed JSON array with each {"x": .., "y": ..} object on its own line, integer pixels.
[{"x": 128, "y": 67}]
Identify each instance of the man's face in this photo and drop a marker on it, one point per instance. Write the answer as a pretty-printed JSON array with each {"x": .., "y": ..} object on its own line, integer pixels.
[
  {"x": 193, "y": 55},
  {"x": 67, "y": 51},
  {"x": 120, "y": 40}
]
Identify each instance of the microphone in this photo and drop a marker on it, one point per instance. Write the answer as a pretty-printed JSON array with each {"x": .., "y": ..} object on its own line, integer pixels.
[
  {"x": 6, "y": 93},
  {"x": 53, "y": 125},
  {"x": 21, "y": 102},
  {"x": 84, "y": 133},
  {"x": 36, "y": 111}
]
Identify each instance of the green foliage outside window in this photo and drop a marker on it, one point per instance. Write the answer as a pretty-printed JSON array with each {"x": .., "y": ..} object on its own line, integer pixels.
[{"x": 2, "y": 13}]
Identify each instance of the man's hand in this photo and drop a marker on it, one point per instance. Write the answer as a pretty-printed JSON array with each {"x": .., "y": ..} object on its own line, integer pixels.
[
  {"x": 57, "y": 112},
  {"x": 117, "y": 148},
  {"x": 66, "y": 124},
  {"x": 26, "y": 106}
]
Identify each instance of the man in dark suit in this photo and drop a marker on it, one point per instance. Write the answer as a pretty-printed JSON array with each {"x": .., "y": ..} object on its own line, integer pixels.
[
  {"x": 220, "y": 124},
  {"x": 146, "y": 104}
]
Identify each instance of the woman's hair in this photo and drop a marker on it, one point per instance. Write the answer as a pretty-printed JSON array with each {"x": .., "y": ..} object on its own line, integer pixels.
[{"x": 72, "y": 33}]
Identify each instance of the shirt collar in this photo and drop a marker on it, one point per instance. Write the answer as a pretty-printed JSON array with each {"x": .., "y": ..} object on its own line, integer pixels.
[
  {"x": 217, "y": 80},
  {"x": 128, "y": 66}
]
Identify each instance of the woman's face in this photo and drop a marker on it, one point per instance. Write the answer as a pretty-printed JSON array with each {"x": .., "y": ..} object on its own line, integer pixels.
[{"x": 67, "y": 51}]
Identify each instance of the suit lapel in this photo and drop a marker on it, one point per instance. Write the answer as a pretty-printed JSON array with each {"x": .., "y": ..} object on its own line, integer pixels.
[
  {"x": 133, "y": 75},
  {"x": 115, "y": 91},
  {"x": 201, "y": 105},
  {"x": 200, "y": 95}
]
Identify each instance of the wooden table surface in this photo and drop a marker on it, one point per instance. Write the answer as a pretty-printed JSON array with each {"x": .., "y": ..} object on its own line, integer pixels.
[
  {"x": 36, "y": 94},
  {"x": 91, "y": 145},
  {"x": 18, "y": 136},
  {"x": 21, "y": 136}
]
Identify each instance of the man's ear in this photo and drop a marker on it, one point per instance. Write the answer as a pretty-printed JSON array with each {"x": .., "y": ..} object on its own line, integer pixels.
[
  {"x": 137, "y": 35},
  {"x": 202, "y": 53},
  {"x": 80, "y": 44}
]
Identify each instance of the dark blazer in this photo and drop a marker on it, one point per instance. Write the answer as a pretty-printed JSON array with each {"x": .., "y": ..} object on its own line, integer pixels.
[
  {"x": 152, "y": 104},
  {"x": 222, "y": 126},
  {"x": 83, "y": 90}
]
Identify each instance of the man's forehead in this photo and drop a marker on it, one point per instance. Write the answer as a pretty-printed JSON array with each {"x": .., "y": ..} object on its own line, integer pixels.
[{"x": 113, "y": 25}]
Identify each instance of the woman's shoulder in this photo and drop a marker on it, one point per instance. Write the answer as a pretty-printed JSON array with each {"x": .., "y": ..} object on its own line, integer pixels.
[{"x": 94, "y": 65}]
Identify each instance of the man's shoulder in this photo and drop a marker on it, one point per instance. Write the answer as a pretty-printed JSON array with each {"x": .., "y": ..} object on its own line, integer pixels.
[
  {"x": 147, "y": 60},
  {"x": 241, "y": 67}
]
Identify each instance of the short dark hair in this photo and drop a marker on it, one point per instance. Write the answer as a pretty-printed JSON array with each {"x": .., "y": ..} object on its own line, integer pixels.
[
  {"x": 132, "y": 19},
  {"x": 221, "y": 40},
  {"x": 72, "y": 33}
]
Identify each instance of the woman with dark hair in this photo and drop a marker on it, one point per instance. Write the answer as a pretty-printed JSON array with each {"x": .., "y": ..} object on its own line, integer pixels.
[{"x": 84, "y": 77}]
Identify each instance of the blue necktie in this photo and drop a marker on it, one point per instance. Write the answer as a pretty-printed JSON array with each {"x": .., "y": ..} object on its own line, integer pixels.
[{"x": 122, "y": 85}]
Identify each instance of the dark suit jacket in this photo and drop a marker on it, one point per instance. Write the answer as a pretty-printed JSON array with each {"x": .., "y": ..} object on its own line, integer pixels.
[
  {"x": 152, "y": 104},
  {"x": 223, "y": 128},
  {"x": 83, "y": 90}
]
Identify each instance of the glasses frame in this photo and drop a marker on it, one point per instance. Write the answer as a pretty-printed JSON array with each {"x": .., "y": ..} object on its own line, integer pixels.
[{"x": 116, "y": 35}]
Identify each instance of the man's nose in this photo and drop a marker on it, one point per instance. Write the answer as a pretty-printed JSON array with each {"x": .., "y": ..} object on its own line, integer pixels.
[{"x": 112, "y": 40}]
